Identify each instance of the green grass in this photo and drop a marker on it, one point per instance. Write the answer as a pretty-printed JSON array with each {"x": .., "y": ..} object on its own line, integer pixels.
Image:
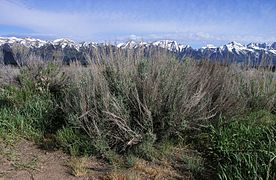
[
  {"x": 74, "y": 142},
  {"x": 193, "y": 163},
  {"x": 26, "y": 113},
  {"x": 244, "y": 147},
  {"x": 30, "y": 165},
  {"x": 26, "y": 109}
]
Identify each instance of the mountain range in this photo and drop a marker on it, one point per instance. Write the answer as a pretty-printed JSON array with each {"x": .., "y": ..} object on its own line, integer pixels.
[{"x": 70, "y": 50}]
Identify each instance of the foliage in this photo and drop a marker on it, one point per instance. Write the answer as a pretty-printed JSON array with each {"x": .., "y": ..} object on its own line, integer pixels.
[
  {"x": 138, "y": 107},
  {"x": 245, "y": 147}
]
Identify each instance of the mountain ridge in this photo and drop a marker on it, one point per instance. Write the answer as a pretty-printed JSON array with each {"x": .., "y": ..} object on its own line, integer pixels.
[
  {"x": 233, "y": 50},
  {"x": 166, "y": 43}
]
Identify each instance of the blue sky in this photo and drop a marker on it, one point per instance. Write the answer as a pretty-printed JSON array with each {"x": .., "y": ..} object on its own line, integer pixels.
[{"x": 194, "y": 22}]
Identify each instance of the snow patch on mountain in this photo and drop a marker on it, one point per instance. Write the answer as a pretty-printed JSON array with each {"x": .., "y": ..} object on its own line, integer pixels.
[
  {"x": 170, "y": 45},
  {"x": 234, "y": 46}
]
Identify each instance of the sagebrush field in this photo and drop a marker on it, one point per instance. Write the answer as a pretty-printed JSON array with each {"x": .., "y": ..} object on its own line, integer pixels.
[{"x": 149, "y": 118}]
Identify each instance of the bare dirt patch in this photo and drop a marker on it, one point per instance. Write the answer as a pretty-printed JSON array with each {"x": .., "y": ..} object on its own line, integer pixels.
[{"x": 25, "y": 160}]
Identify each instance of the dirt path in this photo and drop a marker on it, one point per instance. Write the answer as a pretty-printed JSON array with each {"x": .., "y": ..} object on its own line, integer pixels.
[{"x": 26, "y": 161}]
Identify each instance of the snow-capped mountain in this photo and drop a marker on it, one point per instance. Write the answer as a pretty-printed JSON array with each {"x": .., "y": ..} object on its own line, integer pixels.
[
  {"x": 29, "y": 42},
  {"x": 170, "y": 45},
  {"x": 64, "y": 43},
  {"x": 234, "y": 47},
  {"x": 232, "y": 51},
  {"x": 166, "y": 44}
]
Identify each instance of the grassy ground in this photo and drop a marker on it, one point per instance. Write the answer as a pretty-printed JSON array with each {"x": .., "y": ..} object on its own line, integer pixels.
[{"x": 148, "y": 118}]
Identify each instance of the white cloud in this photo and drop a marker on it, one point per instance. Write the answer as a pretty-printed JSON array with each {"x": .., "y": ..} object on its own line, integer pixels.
[
  {"x": 201, "y": 37},
  {"x": 76, "y": 24},
  {"x": 113, "y": 25}
]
